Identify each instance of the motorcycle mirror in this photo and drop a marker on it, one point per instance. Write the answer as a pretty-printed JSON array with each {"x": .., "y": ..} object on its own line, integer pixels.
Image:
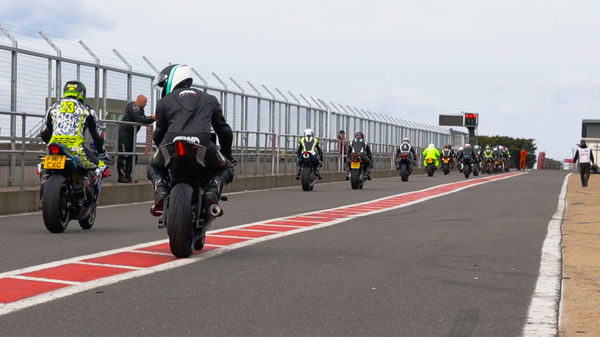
[{"x": 224, "y": 198}]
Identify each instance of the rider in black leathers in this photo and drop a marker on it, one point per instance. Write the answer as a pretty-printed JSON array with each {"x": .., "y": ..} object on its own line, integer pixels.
[
  {"x": 185, "y": 111},
  {"x": 405, "y": 147},
  {"x": 360, "y": 146}
]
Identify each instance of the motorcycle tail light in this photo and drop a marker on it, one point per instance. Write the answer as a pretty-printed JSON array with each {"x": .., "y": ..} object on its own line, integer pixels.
[
  {"x": 404, "y": 156},
  {"x": 180, "y": 149},
  {"x": 54, "y": 148},
  {"x": 106, "y": 173}
]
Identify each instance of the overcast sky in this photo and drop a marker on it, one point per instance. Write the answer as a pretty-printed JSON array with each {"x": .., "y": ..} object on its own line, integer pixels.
[{"x": 529, "y": 67}]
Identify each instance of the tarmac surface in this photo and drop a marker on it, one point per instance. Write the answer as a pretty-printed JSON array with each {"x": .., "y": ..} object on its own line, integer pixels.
[{"x": 462, "y": 264}]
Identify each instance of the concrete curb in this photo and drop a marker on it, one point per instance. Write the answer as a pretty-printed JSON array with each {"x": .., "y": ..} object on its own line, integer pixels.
[{"x": 15, "y": 200}]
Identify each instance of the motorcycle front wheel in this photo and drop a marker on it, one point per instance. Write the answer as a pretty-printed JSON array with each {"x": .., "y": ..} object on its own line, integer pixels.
[{"x": 179, "y": 220}]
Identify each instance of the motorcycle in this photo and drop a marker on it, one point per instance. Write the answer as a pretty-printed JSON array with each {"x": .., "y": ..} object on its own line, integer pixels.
[
  {"x": 68, "y": 191},
  {"x": 188, "y": 211},
  {"x": 307, "y": 173},
  {"x": 404, "y": 166},
  {"x": 357, "y": 172},
  {"x": 506, "y": 164},
  {"x": 430, "y": 168},
  {"x": 467, "y": 166},
  {"x": 498, "y": 166},
  {"x": 476, "y": 166},
  {"x": 446, "y": 165},
  {"x": 488, "y": 166}
]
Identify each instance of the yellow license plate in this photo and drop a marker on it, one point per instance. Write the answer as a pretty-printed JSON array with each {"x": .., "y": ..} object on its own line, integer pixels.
[
  {"x": 355, "y": 164},
  {"x": 54, "y": 162}
]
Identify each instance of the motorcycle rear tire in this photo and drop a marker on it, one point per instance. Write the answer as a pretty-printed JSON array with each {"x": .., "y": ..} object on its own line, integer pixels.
[
  {"x": 55, "y": 209},
  {"x": 179, "y": 220},
  {"x": 355, "y": 179},
  {"x": 467, "y": 171},
  {"x": 430, "y": 170},
  {"x": 403, "y": 172},
  {"x": 306, "y": 178}
]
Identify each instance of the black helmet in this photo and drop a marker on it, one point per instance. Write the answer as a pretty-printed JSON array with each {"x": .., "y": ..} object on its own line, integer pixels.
[
  {"x": 173, "y": 77},
  {"x": 74, "y": 89},
  {"x": 359, "y": 135}
]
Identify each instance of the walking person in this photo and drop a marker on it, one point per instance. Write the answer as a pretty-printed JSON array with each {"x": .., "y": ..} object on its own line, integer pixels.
[
  {"x": 134, "y": 112},
  {"x": 523, "y": 159},
  {"x": 585, "y": 157}
]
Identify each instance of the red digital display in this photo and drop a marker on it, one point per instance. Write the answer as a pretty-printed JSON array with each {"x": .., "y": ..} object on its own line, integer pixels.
[{"x": 471, "y": 119}]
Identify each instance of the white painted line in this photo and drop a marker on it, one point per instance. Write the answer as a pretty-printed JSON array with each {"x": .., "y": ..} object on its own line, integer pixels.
[
  {"x": 230, "y": 236},
  {"x": 41, "y": 279},
  {"x": 151, "y": 252},
  {"x": 542, "y": 316},
  {"x": 67, "y": 291},
  {"x": 108, "y": 265},
  {"x": 257, "y": 230}
]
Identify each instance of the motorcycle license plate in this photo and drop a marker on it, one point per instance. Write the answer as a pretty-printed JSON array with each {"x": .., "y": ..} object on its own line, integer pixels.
[
  {"x": 355, "y": 165},
  {"x": 430, "y": 161},
  {"x": 446, "y": 160},
  {"x": 54, "y": 162}
]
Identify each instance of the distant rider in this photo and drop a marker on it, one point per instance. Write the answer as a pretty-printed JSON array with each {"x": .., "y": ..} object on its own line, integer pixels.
[
  {"x": 431, "y": 153},
  {"x": 309, "y": 143},
  {"x": 185, "y": 111},
  {"x": 360, "y": 146},
  {"x": 448, "y": 153},
  {"x": 466, "y": 153},
  {"x": 405, "y": 148}
]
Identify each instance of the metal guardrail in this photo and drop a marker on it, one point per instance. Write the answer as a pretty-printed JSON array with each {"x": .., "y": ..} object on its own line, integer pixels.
[{"x": 257, "y": 153}]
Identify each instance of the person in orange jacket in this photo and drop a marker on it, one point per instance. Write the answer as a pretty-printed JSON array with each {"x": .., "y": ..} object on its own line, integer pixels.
[{"x": 523, "y": 159}]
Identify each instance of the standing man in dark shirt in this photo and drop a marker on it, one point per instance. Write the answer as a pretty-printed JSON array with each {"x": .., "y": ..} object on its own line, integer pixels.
[
  {"x": 134, "y": 112},
  {"x": 585, "y": 156}
]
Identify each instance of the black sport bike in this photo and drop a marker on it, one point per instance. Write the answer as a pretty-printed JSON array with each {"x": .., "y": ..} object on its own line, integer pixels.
[
  {"x": 68, "y": 191},
  {"x": 188, "y": 211}
]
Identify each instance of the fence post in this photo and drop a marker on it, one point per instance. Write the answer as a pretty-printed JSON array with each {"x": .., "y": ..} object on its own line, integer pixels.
[
  {"x": 13, "y": 105},
  {"x": 129, "y": 68},
  {"x": 96, "y": 73}
]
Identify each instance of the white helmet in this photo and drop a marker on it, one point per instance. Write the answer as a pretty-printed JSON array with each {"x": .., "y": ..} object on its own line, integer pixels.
[
  {"x": 477, "y": 147},
  {"x": 460, "y": 148},
  {"x": 467, "y": 146},
  {"x": 405, "y": 140},
  {"x": 173, "y": 77},
  {"x": 431, "y": 145},
  {"x": 308, "y": 133},
  {"x": 500, "y": 147}
]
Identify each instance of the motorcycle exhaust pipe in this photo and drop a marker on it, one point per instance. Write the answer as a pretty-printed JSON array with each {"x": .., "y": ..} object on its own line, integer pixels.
[{"x": 215, "y": 210}]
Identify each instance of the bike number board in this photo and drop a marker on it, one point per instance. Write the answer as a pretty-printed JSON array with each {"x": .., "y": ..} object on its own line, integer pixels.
[
  {"x": 355, "y": 164},
  {"x": 54, "y": 162}
]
